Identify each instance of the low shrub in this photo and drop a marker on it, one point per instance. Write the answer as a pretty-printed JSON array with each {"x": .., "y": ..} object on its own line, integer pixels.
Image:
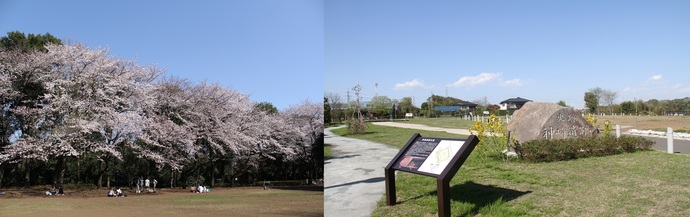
[
  {"x": 573, "y": 148},
  {"x": 356, "y": 126}
]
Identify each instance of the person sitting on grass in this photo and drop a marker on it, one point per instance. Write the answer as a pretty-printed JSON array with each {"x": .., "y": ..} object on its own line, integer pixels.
[
  {"x": 61, "y": 191},
  {"x": 200, "y": 189},
  {"x": 111, "y": 193},
  {"x": 119, "y": 193},
  {"x": 52, "y": 191}
]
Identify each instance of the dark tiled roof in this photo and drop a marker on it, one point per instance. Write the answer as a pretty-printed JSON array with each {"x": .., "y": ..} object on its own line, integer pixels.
[
  {"x": 466, "y": 103},
  {"x": 516, "y": 100}
]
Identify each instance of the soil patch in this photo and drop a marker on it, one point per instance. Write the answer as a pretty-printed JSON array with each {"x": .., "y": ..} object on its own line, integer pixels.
[
  {"x": 648, "y": 122},
  {"x": 245, "y": 201}
]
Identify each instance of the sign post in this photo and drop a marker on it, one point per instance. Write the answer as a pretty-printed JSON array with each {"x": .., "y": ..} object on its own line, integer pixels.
[{"x": 436, "y": 157}]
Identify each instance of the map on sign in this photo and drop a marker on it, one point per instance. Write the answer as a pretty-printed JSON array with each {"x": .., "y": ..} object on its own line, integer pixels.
[
  {"x": 440, "y": 156},
  {"x": 429, "y": 155}
]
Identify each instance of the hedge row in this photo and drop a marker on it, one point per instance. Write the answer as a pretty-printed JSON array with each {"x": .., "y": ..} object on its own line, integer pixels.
[{"x": 567, "y": 149}]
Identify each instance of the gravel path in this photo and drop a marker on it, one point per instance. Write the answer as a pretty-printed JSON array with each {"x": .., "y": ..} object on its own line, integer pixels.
[{"x": 354, "y": 175}]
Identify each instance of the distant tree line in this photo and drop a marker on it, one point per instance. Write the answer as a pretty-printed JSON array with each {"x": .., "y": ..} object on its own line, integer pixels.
[
  {"x": 599, "y": 100},
  {"x": 70, "y": 115}
]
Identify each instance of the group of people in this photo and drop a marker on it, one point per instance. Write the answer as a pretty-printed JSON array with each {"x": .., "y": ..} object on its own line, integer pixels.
[
  {"x": 144, "y": 185},
  {"x": 55, "y": 191},
  {"x": 200, "y": 189},
  {"x": 116, "y": 193}
]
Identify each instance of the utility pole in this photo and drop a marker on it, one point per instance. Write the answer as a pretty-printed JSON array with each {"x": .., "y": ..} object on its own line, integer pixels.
[
  {"x": 431, "y": 107},
  {"x": 635, "y": 112},
  {"x": 348, "y": 99}
]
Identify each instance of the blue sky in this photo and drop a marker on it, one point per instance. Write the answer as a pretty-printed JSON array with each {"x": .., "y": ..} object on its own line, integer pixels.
[
  {"x": 271, "y": 49},
  {"x": 540, "y": 50}
]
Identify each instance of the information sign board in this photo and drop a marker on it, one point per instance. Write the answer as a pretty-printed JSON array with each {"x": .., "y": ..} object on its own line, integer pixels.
[
  {"x": 428, "y": 156},
  {"x": 436, "y": 157}
]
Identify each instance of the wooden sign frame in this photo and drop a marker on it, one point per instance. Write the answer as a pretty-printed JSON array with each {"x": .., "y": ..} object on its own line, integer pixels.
[{"x": 421, "y": 148}]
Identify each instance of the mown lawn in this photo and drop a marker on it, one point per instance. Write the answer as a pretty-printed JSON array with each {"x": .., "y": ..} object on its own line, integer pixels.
[
  {"x": 446, "y": 122},
  {"x": 636, "y": 184},
  {"x": 327, "y": 152}
]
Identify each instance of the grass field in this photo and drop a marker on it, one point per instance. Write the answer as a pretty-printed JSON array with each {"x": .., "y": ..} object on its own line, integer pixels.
[
  {"x": 393, "y": 135},
  {"x": 251, "y": 201},
  {"x": 645, "y": 183},
  {"x": 327, "y": 151},
  {"x": 453, "y": 123}
]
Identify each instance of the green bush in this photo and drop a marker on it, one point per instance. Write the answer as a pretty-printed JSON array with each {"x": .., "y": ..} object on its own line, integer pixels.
[{"x": 573, "y": 148}]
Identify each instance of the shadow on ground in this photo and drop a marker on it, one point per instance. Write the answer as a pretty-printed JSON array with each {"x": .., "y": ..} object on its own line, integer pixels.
[
  {"x": 370, "y": 180},
  {"x": 478, "y": 195},
  {"x": 301, "y": 188}
]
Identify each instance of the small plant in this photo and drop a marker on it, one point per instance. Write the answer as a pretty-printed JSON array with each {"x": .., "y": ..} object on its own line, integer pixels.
[
  {"x": 607, "y": 128},
  {"x": 356, "y": 125},
  {"x": 591, "y": 119},
  {"x": 493, "y": 137}
]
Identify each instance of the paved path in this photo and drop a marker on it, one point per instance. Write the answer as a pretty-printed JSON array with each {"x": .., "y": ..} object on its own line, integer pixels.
[
  {"x": 423, "y": 127},
  {"x": 354, "y": 176},
  {"x": 679, "y": 145}
]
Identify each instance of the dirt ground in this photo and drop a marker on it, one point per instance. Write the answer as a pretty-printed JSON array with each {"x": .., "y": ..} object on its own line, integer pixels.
[
  {"x": 247, "y": 201},
  {"x": 648, "y": 122}
]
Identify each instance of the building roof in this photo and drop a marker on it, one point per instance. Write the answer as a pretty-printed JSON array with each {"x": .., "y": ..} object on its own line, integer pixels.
[
  {"x": 466, "y": 103},
  {"x": 517, "y": 100},
  {"x": 451, "y": 108}
]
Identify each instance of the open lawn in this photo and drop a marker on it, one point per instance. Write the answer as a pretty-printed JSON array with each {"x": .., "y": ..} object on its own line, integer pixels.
[
  {"x": 659, "y": 123},
  {"x": 393, "y": 135},
  {"x": 445, "y": 122},
  {"x": 645, "y": 183},
  {"x": 249, "y": 201}
]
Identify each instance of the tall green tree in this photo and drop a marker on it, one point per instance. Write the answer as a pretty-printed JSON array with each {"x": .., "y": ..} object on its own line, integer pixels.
[
  {"x": 591, "y": 101},
  {"x": 628, "y": 107},
  {"x": 18, "y": 41},
  {"x": 380, "y": 105},
  {"x": 406, "y": 106},
  {"x": 267, "y": 107},
  {"x": 327, "y": 111}
]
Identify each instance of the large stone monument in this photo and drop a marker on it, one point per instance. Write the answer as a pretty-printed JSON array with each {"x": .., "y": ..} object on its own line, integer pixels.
[{"x": 539, "y": 120}]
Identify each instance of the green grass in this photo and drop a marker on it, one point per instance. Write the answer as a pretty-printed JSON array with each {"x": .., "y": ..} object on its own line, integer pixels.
[
  {"x": 634, "y": 184},
  {"x": 393, "y": 136},
  {"x": 327, "y": 152},
  {"x": 446, "y": 122},
  {"x": 335, "y": 124}
]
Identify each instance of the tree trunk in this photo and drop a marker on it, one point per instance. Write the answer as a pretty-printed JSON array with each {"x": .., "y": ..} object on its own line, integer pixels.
[
  {"x": 27, "y": 172},
  {"x": 2, "y": 174},
  {"x": 59, "y": 171},
  {"x": 78, "y": 170},
  {"x": 103, "y": 169},
  {"x": 172, "y": 178},
  {"x": 100, "y": 176},
  {"x": 213, "y": 174}
]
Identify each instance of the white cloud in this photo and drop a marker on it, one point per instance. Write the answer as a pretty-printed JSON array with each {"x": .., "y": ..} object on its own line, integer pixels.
[
  {"x": 482, "y": 78},
  {"x": 680, "y": 89},
  {"x": 628, "y": 89},
  {"x": 416, "y": 83},
  {"x": 515, "y": 82},
  {"x": 655, "y": 78}
]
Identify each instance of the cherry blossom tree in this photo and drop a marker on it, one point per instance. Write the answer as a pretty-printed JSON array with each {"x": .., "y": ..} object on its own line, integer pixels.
[
  {"x": 96, "y": 100},
  {"x": 73, "y": 104},
  {"x": 307, "y": 118}
]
